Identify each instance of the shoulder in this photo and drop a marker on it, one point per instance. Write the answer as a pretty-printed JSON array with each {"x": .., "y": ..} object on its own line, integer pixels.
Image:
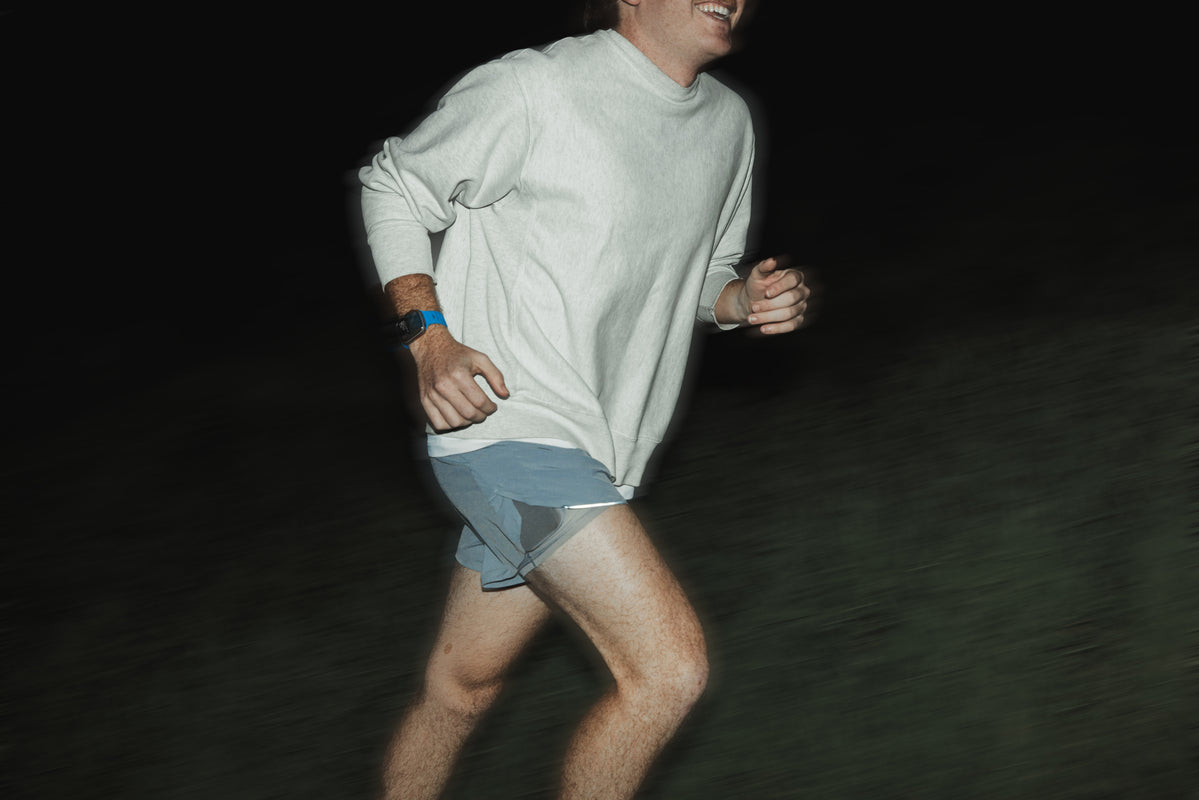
[
  {"x": 521, "y": 81},
  {"x": 729, "y": 97},
  {"x": 517, "y": 69},
  {"x": 573, "y": 57},
  {"x": 530, "y": 77}
]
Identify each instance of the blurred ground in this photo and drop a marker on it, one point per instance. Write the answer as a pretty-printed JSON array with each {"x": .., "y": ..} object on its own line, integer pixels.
[{"x": 943, "y": 542}]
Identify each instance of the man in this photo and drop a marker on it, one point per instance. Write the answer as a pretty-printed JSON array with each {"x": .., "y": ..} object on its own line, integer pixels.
[{"x": 595, "y": 200}]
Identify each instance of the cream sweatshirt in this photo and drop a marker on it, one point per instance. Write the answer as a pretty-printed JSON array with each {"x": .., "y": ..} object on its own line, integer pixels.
[{"x": 593, "y": 210}]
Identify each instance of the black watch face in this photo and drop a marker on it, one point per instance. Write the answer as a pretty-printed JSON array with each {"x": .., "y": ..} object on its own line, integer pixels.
[{"x": 411, "y": 325}]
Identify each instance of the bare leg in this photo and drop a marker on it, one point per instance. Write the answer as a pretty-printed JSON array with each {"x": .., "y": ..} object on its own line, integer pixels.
[
  {"x": 612, "y": 582},
  {"x": 481, "y": 635}
]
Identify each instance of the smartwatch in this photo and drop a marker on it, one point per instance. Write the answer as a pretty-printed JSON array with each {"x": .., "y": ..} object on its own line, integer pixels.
[{"x": 414, "y": 323}]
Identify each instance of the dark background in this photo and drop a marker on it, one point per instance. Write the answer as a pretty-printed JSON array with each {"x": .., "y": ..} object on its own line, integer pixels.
[
  {"x": 183, "y": 167},
  {"x": 969, "y": 482}
]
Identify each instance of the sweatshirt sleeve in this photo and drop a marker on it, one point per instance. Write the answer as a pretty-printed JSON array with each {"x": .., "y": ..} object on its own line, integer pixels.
[
  {"x": 730, "y": 248},
  {"x": 468, "y": 152}
]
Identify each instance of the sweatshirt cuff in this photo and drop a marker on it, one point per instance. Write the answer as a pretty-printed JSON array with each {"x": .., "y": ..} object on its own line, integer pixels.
[
  {"x": 717, "y": 279},
  {"x": 400, "y": 249}
]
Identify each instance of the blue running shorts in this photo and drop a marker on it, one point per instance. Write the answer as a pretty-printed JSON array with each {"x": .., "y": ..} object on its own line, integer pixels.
[{"x": 520, "y": 501}]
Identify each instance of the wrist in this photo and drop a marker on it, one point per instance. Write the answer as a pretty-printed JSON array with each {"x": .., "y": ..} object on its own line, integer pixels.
[
  {"x": 413, "y": 324},
  {"x": 434, "y": 337},
  {"x": 733, "y": 305}
]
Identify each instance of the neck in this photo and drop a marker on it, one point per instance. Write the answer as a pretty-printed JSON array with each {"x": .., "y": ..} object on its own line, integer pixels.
[{"x": 678, "y": 70}]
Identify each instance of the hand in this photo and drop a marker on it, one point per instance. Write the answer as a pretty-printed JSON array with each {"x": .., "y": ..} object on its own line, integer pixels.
[
  {"x": 445, "y": 373},
  {"x": 775, "y": 298}
]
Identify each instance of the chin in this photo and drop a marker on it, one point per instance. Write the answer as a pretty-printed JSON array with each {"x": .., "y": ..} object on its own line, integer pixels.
[{"x": 719, "y": 49}]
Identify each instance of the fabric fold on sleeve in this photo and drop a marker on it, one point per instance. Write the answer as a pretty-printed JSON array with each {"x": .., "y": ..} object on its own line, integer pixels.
[{"x": 469, "y": 152}]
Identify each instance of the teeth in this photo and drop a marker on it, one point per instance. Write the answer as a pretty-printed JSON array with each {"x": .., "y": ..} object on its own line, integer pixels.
[{"x": 714, "y": 8}]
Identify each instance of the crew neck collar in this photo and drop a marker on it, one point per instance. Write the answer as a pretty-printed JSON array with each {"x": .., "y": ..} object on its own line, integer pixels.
[{"x": 658, "y": 80}]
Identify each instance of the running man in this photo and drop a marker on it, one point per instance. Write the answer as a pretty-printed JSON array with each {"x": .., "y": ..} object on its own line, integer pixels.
[{"x": 595, "y": 198}]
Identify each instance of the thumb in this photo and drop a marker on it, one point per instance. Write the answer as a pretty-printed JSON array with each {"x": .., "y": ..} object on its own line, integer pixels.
[
  {"x": 495, "y": 379},
  {"x": 766, "y": 266}
]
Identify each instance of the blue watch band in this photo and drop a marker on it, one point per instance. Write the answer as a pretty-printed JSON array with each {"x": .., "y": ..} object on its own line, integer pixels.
[{"x": 429, "y": 318}]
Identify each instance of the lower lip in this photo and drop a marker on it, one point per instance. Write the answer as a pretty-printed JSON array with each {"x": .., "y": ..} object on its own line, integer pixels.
[{"x": 716, "y": 17}]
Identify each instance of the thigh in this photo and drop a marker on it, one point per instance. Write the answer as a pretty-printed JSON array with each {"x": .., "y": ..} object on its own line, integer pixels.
[
  {"x": 611, "y": 580},
  {"x": 483, "y": 632}
]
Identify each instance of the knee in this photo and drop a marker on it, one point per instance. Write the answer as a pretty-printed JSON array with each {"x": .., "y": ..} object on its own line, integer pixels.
[
  {"x": 676, "y": 678},
  {"x": 459, "y": 698},
  {"x": 687, "y": 677}
]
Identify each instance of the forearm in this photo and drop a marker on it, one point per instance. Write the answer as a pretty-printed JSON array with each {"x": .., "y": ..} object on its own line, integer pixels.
[
  {"x": 445, "y": 369},
  {"x": 412, "y": 293},
  {"x": 417, "y": 293}
]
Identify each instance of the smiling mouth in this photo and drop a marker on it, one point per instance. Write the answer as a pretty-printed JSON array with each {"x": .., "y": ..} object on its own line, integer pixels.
[{"x": 716, "y": 11}]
